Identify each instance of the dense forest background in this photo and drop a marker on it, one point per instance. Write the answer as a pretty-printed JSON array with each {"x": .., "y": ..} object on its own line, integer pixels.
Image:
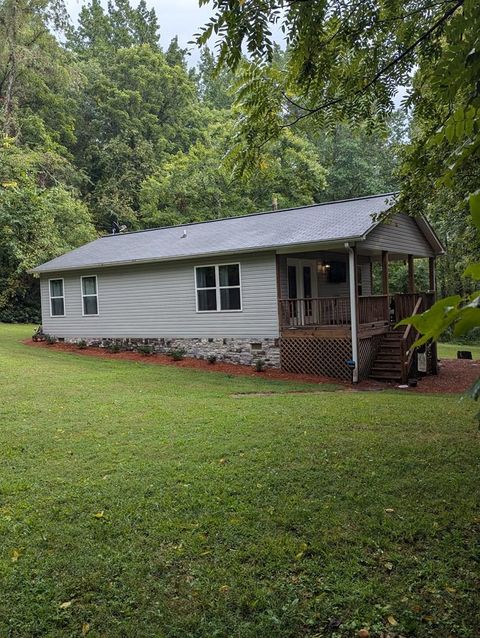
[{"x": 103, "y": 123}]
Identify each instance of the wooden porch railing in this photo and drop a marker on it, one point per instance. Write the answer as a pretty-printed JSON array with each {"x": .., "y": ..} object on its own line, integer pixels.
[
  {"x": 335, "y": 311},
  {"x": 332, "y": 311},
  {"x": 409, "y": 337},
  {"x": 405, "y": 303},
  {"x": 374, "y": 308},
  {"x": 318, "y": 311}
]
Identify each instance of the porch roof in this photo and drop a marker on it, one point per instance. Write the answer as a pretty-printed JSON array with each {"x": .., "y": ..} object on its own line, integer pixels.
[{"x": 317, "y": 224}]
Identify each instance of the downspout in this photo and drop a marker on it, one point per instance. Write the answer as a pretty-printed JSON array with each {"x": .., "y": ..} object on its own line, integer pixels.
[{"x": 352, "y": 278}]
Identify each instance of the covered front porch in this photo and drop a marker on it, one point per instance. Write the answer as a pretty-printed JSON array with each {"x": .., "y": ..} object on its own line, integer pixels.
[{"x": 328, "y": 314}]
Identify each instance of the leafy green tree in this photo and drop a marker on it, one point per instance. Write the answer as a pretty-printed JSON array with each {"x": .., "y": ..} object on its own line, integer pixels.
[
  {"x": 132, "y": 116},
  {"x": 34, "y": 81},
  {"x": 175, "y": 54},
  {"x": 99, "y": 31},
  {"x": 358, "y": 161},
  {"x": 40, "y": 218},
  {"x": 215, "y": 83},
  {"x": 197, "y": 184},
  {"x": 445, "y": 158},
  {"x": 40, "y": 212},
  {"x": 344, "y": 60}
]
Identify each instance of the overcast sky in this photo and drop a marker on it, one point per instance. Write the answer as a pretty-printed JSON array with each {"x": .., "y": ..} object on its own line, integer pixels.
[{"x": 176, "y": 17}]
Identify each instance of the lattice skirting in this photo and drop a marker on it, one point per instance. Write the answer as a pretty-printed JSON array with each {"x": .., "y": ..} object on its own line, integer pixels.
[
  {"x": 310, "y": 355},
  {"x": 367, "y": 351}
]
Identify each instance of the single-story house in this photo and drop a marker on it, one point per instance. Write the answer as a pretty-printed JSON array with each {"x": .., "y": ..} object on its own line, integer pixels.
[{"x": 292, "y": 287}]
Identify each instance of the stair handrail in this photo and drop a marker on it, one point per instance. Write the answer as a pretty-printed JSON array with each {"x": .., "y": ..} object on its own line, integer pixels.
[{"x": 406, "y": 350}]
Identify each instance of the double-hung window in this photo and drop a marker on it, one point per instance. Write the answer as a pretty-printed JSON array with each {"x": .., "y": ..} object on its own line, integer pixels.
[
  {"x": 89, "y": 295},
  {"x": 57, "y": 298},
  {"x": 218, "y": 288}
]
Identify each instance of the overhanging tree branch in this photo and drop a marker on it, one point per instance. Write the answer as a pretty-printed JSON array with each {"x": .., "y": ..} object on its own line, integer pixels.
[{"x": 396, "y": 60}]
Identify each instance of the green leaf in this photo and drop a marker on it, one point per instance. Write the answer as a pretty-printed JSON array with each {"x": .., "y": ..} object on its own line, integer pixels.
[
  {"x": 469, "y": 318},
  {"x": 433, "y": 322}
]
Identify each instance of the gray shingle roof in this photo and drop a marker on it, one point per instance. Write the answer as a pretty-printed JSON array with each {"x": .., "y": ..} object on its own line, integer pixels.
[{"x": 319, "y": 223}]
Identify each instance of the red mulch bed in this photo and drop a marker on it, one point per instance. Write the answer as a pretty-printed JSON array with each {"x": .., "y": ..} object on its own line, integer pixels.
[{"x": 454, "y": 376}]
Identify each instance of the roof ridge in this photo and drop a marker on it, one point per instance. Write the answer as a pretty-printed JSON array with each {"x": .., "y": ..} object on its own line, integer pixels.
[{"x": 264, "y": 212}]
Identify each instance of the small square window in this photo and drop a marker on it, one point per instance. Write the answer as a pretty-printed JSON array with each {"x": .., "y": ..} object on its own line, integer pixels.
[
  {"x": 89, "y": 285},
  {"x": 206, "y": 277},
  {"x": 56, "y": 287},
  {"x": 229, "y": 275},
  {"x": 90, "y": 306},
  {"x": 58, "y": 307},
  {"x": 230, "y": 298},
  {"x": 207, "y": 299}
]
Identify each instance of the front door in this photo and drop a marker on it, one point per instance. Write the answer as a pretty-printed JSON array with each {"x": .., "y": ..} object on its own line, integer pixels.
[{"x": 302, "y": 285}]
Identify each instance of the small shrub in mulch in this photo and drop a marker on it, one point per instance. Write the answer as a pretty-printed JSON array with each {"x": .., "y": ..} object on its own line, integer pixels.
[
  {"x": 81, "y": 344},
  {"x": 212, "y": 358},
  {"x": 38, "y": 335},
  {"x": 50, "y": 339},
  {"x": 177, "y": 355},
  {"x": 114, "y": 348},
  {"x": 145, "y": 350},
  {"x": 260, "y": 365}
]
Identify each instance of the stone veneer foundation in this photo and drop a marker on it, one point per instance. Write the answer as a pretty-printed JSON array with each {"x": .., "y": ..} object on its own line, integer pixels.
[{"x": 231, "y": 350}]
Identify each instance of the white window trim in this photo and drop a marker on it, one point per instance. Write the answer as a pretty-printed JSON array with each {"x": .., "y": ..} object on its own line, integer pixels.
[
  {"x": 82, "y": 296},
  {"x": 57, "y": 297},
  {"x": 217, "y": 287}
]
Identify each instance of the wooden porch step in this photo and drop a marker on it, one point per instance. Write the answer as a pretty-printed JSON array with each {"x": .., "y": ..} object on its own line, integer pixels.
[
  {"x": 386, "y": 366},
  {"x": 391, "y": 354},
  {"x": 385, "y": 375},
  {"x": 393, "y": 336},
  {"x": 387, "y": 357}
]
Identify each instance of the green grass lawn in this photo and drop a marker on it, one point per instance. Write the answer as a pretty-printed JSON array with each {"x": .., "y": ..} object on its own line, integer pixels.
[
  {"x": 147, "y": 501},
  {"x": 449, "y": 350}
]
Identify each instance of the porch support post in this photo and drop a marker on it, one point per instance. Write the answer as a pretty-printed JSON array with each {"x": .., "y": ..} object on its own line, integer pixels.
[
  {"x": 278, "y": 266},
  {"x": 385, "y": 272},
  {"x": 385, "y": 283},
  {"x": 352, "y": 279},
  {"x": 433, "y": 288},
  {"x": 411, "y": 274},
  {"x": 431, "y": 274}
]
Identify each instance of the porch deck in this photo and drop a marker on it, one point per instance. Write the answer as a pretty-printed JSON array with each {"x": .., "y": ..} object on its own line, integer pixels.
[
  {"x": 331, "y": 316},
  {"x": 316, "y": 334}
]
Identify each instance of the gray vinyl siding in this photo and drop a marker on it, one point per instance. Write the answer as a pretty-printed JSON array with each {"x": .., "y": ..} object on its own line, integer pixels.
[
  {"x": 366, "y": 279},
  {"x": 399, "y": 236},
  {"x": 158, "y": 300}
]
